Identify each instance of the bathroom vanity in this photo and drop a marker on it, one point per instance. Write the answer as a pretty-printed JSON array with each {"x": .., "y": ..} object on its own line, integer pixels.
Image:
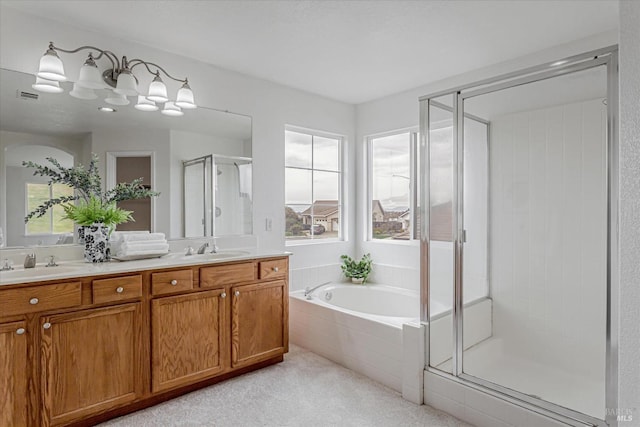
[{"x": 103, "y": 341}]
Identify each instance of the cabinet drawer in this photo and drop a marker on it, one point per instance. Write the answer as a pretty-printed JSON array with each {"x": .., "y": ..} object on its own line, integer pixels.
[
  {"x": 117, "y": 289},
  {"x": 40, "y": 298},
  {"x": 225, "y": 274},
  {"x": 171, "y": 281},
  {"x": 275, "y": 269}
]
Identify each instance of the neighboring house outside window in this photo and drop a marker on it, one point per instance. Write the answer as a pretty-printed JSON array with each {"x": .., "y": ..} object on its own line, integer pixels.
[
  {"x": 393, "y": 207},
  {"x": 313, "y": 185}
]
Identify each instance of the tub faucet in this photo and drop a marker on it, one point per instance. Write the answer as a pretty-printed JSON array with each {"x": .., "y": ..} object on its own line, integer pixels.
[
  {"x": 30, "y": 261},
  {"x": 308, "y": 290}
]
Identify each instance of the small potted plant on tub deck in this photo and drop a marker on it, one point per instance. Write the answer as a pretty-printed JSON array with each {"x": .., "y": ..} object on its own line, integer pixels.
[
  {"x": 92, "y": 208},
  {"x": 358, "y": 271}
]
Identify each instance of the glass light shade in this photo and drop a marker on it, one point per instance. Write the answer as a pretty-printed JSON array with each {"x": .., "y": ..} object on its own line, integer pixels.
[
  {"x": 126, "y": 84},
  {"x": 171, "y": 109},
  {"x": 48, "y": 86},
  {"x": 82, "y": 92},
  {"x": 184, "y": 98},
  {"x": 51, "y": 67},
  {"x": 145, "y": 105},
  {"x": 90, "y": 77},
  {"x": 157, "y": 90},
  {"x": 117, "y": 99}
]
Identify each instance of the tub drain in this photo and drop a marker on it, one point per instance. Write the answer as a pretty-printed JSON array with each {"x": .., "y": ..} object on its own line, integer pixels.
[{"x": 328, "y": 296}]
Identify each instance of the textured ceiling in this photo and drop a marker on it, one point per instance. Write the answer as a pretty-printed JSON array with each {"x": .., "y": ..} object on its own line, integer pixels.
[{"x": 352, "y": 51}]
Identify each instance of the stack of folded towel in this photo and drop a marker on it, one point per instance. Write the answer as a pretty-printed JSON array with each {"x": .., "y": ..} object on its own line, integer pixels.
[{"x": 138, "y": 244}]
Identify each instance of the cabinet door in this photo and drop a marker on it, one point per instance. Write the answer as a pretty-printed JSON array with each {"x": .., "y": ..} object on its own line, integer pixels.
[
  {"x": 90, "y": 362},
  {"x": 13, "y": 374},
  {"x": 189, "y": 339},
  {"x": 258, "y": 322}
]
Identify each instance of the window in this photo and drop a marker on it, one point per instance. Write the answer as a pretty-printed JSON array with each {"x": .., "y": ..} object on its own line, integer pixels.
[
  {"x": 51, "y": 222},
  {"x": 393, "y": 203},
  {"x": 313, "y": 183}
]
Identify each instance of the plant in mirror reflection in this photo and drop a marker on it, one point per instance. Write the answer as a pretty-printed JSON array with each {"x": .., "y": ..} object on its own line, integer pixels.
[{"x": 89, "y": 204}]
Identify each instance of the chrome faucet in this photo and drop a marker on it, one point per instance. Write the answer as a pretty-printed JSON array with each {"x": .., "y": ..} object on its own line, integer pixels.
[
  {"x": 30, "y": 261},
  {"x": 51, "y": 262},
  {"x": 201, "y": 249},
  {"x": 308, "y": 290},
  {"x": 214, "y": 247}
]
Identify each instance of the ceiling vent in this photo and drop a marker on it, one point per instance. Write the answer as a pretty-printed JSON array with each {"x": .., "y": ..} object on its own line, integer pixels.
[{"x": 20, "y": 94}]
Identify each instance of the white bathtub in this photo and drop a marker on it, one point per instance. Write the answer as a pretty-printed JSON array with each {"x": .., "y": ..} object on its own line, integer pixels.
[
  {"x": 360, "y": 327},
  {"x": 357, "y": 326}
]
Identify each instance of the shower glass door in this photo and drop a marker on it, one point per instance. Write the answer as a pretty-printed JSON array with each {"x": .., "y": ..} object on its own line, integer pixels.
[
  {"x": 548, "y": 231},
  {"x": 528, "y": 171}
]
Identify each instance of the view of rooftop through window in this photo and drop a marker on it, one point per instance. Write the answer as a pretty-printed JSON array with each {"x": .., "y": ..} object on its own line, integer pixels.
[
  {"x": 312, "y": 186},
  {"x": 391, "y": 182}
]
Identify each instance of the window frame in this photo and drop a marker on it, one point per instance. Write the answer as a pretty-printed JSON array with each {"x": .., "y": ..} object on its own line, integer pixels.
[
  {"x": 414, "y": 207},
  {"x": 50, "y": 213},
  {"x": 342, "y": 215}
]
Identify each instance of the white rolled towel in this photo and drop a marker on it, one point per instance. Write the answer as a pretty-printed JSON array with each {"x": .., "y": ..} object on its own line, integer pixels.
[
  {"x": 148, "y": 253},
  {"x": 135, "y": 237},
  {"x": 127, "y": 249},
  {"x": 117, "y": 235},
  {"x": 149, "y": 245}
]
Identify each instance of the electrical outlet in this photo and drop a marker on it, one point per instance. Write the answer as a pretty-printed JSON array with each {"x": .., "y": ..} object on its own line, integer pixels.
[{"x": 267, "y": 224}]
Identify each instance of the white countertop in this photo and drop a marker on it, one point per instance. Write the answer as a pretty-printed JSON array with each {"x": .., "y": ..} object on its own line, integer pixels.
[{"x": 72, "y": 269}]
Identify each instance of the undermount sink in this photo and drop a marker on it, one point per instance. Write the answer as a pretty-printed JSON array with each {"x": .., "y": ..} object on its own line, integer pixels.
[
  {"x": 37, "y": 272},
  {"x": 226, "y": 254}
]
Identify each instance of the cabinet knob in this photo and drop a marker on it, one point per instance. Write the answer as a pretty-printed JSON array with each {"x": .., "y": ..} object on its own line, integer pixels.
[
  {"x": 275, "y": 269},
  {"x": 223, "y": 295},
  {"x": 20, "y": 331},
  {"x": 237, "y": 293},
  {"x": 46, "y": 325},
  {"x": 174, "y": 282},
  {"x": 119, "y": 289},
  {"x": 34, "y": 301}
]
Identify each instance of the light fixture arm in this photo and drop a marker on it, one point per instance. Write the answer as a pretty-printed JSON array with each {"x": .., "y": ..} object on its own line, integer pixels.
[
  {"x": 136, "y": 62},
  {"x": 115, "y": 63}
]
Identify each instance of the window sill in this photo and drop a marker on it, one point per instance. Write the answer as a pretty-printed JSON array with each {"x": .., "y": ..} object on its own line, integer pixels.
[
  {"x": 394, "y": 242},
  {"x": 302, "y": 242}
]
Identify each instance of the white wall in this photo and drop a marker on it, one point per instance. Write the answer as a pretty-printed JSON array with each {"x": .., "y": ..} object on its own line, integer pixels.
[
  {"x": 548, "y": 238},
  {"x": 23, "y": 39},
  {"x": 629, "y": 344}
]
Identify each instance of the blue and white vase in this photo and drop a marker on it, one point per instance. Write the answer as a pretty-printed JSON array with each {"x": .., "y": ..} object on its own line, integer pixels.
[{"x": 96, "y": 239}]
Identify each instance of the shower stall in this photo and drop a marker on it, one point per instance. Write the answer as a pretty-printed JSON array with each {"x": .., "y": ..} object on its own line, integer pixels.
[
  {"x": 217, "y": 196},
  {"x": 520, "y": 197}
]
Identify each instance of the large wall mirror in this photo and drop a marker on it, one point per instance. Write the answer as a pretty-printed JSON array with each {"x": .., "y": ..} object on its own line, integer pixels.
[{"x": 129, "y": 143}]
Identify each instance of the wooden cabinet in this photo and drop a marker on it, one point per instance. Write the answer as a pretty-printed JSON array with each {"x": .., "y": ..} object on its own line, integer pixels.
[
  {"x": 259, "y": 319},
  {"x": 83, "y": 350},
  {"x": 90, "y": 362},
  {"x": 188, "y": 338},
  {"x": 13, "y": 374},
  {"x": 39, "y": 298}
]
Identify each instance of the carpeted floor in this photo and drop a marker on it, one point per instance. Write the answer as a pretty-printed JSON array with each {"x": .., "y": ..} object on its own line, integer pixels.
[{"x": 306, "y": 390}]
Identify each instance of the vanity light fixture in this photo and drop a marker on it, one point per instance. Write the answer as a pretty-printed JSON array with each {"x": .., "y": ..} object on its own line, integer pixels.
[{"x": 119, "y": 78}]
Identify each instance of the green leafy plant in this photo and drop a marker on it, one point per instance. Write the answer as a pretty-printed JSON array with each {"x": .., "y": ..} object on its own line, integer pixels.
[
  {"x": 356, "y": 269},
  {"x": 90, "y": 203}
]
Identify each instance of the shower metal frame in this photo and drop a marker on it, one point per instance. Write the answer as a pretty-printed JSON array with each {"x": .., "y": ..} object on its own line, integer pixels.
[{"x": 608, "y": 57}]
